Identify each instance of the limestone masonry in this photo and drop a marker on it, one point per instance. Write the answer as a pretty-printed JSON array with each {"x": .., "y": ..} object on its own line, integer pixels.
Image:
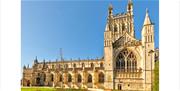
[{"x": 127, "y": 63}]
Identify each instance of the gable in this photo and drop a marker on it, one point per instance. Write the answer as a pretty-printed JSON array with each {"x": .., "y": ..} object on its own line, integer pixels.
[{"x": 126, "y": 40}]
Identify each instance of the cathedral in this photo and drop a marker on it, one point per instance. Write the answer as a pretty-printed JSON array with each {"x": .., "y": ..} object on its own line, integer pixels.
[{"x": 127, "y": 63}]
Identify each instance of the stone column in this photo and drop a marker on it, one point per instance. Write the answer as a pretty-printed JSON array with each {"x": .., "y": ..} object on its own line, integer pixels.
[
  {"x": 83, "y": 79},
  {"x": 73, "y": 79},
  {"x": 94, "y": 78},
  {"x": 64, "y": 78},
  {"x": 125, "y": 64},
  {"x": 56, "y": 79}
]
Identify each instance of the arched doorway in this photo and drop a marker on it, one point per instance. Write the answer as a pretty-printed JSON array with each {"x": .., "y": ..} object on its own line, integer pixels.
[
  {"x": 89, "y": 78},
  {"x": 79, "y": 78}
]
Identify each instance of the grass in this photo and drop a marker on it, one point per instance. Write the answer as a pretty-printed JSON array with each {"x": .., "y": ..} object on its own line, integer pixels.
[
  {"x": 38, "y": 89},
  {"x": 156, "y": 77},
  {"x": 49, "y": 89}
]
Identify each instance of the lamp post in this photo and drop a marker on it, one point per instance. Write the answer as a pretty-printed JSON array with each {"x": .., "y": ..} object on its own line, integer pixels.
[{"x": 151, "y": 52}]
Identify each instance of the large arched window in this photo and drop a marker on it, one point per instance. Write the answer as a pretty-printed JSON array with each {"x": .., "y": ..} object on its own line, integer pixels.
[
  {"x": 126, "y": 59},
  {"x": 79, "y": 78},
  {"x": 69, "y": 78},
  {"x": 101, "y": 77},
  {"x": 89, "y": 78}
]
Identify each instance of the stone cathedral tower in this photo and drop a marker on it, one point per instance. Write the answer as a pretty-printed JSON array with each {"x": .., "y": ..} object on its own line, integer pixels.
[
  {"x": 148, "y": 48},
  {"x": 126, "y": 58},
  {"x": 127, "y": 65}
]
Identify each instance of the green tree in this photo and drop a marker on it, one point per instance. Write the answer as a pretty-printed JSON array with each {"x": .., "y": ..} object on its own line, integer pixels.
[{"x": 156, "y": 77}]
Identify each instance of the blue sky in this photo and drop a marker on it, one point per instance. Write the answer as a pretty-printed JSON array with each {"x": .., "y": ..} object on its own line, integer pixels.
[{"x": 75, "y": 26}]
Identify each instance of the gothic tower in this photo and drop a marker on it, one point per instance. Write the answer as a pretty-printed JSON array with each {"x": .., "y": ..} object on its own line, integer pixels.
[
  {"x": 148, "y": 48},
  {"x": 108, "y": 50}
]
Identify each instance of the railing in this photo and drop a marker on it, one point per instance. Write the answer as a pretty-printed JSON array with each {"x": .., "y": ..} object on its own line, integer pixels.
[
  {"x": 128, "y": 73},
  {"x": 128, "y": 70}
]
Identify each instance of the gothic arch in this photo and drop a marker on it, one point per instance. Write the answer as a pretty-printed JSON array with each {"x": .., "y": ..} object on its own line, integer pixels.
[
  {"x": 101, "y": 77},
  {"x": 79, "y": 78},
  {"x": 69, "y": 78},
  {"x": 119, "y": 50},
  {"x": 60, "y": 77},
  {"x": 126, "y": 60},
  {"x": 89, "y": 78}
]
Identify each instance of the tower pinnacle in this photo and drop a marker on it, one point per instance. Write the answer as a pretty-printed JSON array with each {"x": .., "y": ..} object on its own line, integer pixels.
[
  {"x": 147, "y": 11},
  {"x": 110, "y": 9},
  {"x": 147, "y": 18},
  {"x": 130, "y": 6}
]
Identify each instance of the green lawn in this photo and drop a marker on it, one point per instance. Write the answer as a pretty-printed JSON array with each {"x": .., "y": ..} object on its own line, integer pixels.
[
  {"x": 49, "y": 89},
  {"x": 38, "y": 89}
]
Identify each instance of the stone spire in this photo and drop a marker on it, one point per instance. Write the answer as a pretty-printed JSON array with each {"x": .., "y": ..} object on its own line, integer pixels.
[
  {"x": 130, "y": 6},
  {"x": 129, "y": 1},
  {"x": 110, "y": 10},
  {"x": 36, "y": 60},
  {"x": 110, "y": 18},
  {"x": 24, "y": 67},
  {"x": 28, "y": 66},
  {"x": 147, "y": 20}
]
